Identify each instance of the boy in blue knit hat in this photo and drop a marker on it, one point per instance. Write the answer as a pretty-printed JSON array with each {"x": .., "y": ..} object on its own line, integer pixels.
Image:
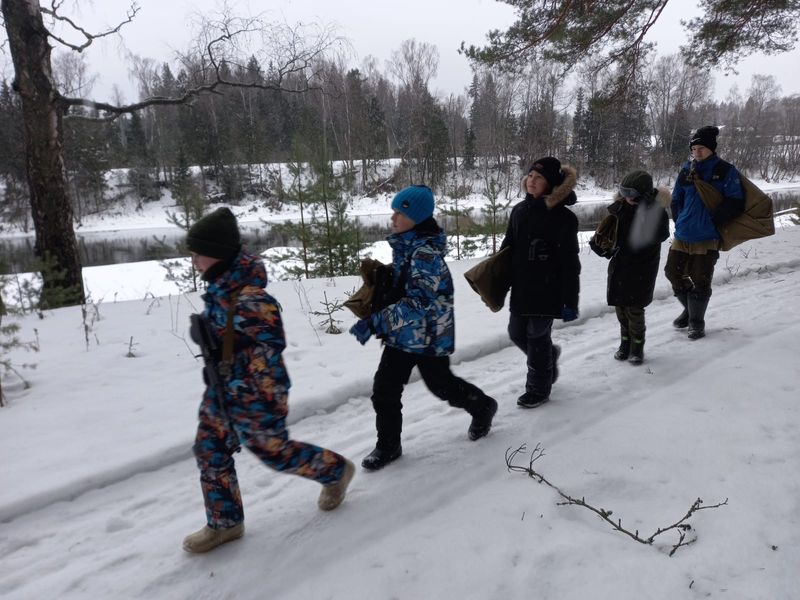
[{"x": 417, "y": 328}]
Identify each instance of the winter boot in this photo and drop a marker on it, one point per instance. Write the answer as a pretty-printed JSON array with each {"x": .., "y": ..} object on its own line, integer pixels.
[
  {"x": 697, "y": 305},
  {"x": 556, "y": 355},
  {"x": 683, "y": 319},
  {"x": 624, "y": 349},
  {"x": 482, "y": 420},
  {"x": 207, "y": 538},
  {"x": 380, "y": 457},
  {"x": 531, "y": 400},
  {"x": 637, "y": 352},
  {"x": 332, "y": 494}
]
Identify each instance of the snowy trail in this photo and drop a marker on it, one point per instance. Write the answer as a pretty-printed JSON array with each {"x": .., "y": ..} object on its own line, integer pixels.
[
  {"x": 123, "y": 540},
  {"x": 333, "y": 393}
]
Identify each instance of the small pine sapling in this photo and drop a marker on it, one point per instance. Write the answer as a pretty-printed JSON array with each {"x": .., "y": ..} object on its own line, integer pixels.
[{"x": 330, "y": 308}]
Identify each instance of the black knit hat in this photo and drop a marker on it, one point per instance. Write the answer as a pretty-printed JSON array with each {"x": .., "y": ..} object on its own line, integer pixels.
[
  {"x": 549, "y": 168},
  {"x": 216, "y": 235},
  {"x": 705, "y": 136}
]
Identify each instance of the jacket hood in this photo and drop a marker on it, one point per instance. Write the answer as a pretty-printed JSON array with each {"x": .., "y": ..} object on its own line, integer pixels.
[
  {"x": 561, "y": 194},
  {"x": 408, "y": 241},
  {"x": 246, "y": 269},
  {"x": 564, "y": 193}
]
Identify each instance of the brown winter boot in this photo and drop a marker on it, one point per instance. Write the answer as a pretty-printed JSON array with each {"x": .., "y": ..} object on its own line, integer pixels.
[
  {"x": 332, "y": 494},
  {"x": 207, "y": 538}
]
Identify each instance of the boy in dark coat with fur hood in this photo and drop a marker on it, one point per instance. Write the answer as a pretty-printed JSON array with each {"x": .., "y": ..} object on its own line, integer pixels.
[
  {"x": 545, "y": 269},
  {"x": 639, "y": 223}
]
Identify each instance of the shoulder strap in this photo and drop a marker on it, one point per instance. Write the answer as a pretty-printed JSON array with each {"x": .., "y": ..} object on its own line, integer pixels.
[{"x": 227, "y": 340}]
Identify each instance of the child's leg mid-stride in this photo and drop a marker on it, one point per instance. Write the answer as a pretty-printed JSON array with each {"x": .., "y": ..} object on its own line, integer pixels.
[
  {"x": 532, "y": 335},
  {"x": 624, "y": 350},
  {"x": 632, "y": 330},
  {"x": 391, "y": 377},
  {"x": 393, "y": 373},
  {"x": 267, "y": 437},
  {"x": 444, "y": 384}
]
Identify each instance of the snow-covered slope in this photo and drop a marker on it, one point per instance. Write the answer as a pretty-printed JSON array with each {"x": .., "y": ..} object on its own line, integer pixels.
[{"x": 98, "y": 485}]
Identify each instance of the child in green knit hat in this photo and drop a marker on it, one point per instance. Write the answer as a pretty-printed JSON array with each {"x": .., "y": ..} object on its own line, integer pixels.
[{"x": 630, "y": 237}]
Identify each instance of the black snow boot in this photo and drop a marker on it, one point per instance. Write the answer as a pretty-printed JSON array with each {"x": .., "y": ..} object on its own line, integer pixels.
[
  {"x": 637, "y": 352},
  {"x": 380, "y": 457},
  {"x": 697, "y": 305},
  {"x": 482, "y": 419},
  {"x": 683, "y": 319},
  {"x": 624, "y": 349},
  {"x": 531, "y": 400}
]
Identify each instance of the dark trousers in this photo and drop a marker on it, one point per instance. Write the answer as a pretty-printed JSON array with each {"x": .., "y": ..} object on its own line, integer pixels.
[
  {"x": 691, "y": 272},
  {"x": 532, "y": 336},
  {"x": 631, "y": 321},
  {"x": 393, "y": 373}
]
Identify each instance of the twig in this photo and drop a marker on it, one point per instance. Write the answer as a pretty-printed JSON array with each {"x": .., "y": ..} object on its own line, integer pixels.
[{"x": 682, "y": 525}]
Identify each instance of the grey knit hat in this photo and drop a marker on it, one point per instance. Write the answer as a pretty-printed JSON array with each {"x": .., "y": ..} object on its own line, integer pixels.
[{"x": 216, "y": 235}]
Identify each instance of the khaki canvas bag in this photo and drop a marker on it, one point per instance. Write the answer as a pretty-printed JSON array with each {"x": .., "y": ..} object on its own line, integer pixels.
[
  {"x": 605, "y": 236},
  {"x": 377, "y": 277},
  {"x": 491, "y": 278},
  {"x": 756, "y": 221}
]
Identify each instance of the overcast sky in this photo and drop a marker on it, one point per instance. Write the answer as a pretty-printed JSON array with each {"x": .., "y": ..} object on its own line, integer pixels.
[{"x": 373, "y": 27}]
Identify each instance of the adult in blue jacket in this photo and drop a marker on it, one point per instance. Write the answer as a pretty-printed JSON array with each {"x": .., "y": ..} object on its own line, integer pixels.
[
  {"x": 417, "y": 328},
  {"x": 695, "y": 249}
]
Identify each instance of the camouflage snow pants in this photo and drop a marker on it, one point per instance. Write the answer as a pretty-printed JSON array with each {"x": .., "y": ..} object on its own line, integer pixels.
[{"x": 266, "y": 436}]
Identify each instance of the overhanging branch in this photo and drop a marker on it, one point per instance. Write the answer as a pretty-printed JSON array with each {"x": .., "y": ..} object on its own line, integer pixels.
[{"x": 89, "y": 37}]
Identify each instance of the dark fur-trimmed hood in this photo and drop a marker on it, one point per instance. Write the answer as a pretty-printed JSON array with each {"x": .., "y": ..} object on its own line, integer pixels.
[
  {"x": 561, "y": 194},
  {"x": 565, "y": 192}
]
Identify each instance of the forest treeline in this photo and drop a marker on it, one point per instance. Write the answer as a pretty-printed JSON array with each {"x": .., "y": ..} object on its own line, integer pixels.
[{"x": 361, "y": 116}]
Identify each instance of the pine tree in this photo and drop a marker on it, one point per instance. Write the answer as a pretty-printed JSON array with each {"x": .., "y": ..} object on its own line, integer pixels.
[{"x": 469, "y": 149}]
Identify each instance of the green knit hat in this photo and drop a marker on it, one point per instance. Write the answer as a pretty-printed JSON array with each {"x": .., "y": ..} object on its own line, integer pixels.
[
  {"x": 216, "y": 235},
  {"x": 640, "y": 181}
]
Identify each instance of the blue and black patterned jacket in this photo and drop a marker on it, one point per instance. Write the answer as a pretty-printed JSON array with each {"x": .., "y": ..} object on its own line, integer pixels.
[{"x": 422, "y": 321}]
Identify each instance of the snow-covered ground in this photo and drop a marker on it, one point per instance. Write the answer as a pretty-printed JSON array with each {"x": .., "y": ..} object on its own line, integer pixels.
[{"x": 98, "y": 486}]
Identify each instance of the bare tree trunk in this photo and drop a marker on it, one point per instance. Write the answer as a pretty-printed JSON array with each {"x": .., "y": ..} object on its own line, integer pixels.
[{"x": 42, "y": 116}]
